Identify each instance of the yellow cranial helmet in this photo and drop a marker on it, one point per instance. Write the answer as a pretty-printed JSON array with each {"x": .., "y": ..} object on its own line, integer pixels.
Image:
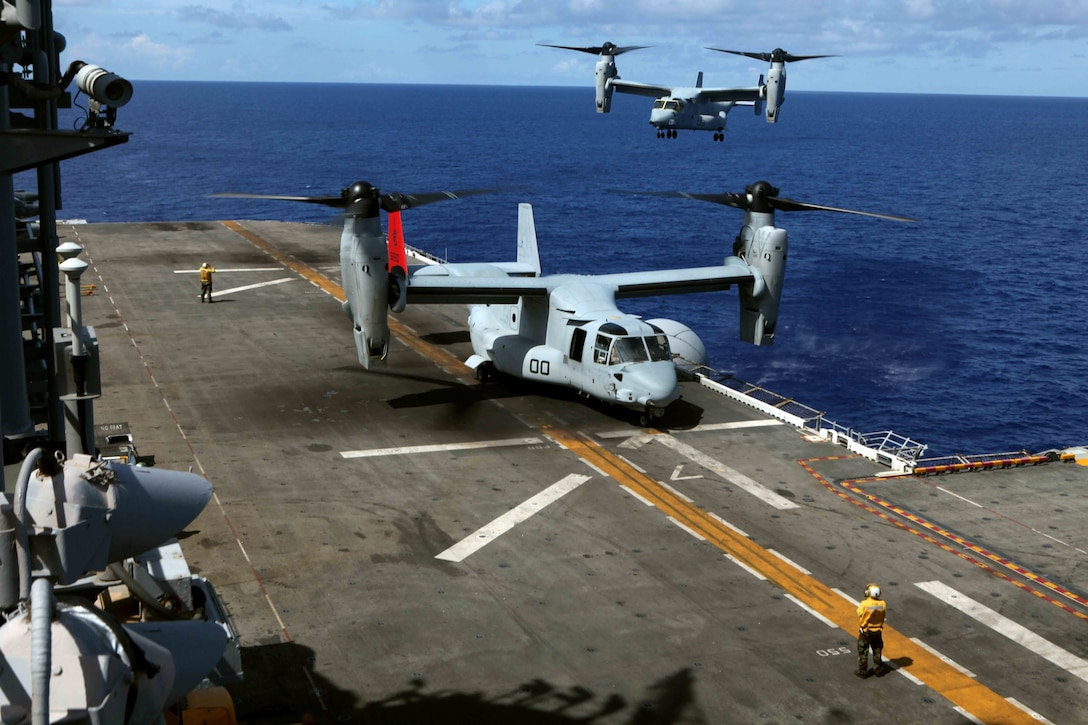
[{"x": 873, "y": 591}]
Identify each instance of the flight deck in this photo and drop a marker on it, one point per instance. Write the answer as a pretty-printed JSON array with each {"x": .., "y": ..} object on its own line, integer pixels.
[{"x": 412, "y": 545}]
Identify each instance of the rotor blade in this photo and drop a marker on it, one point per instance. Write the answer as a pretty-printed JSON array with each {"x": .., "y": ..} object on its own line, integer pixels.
[
  {"x": 776, "y": 55},
  {"x": 399, "y": 202},
  {"x": 726, "y": 199},
  {"x": 607, "y": 48},
  {"x": 741, "y": 201},
  {"x": 790, "y": 58},
  {"x": 757, "y": 56},
  {"x": 327, "y": 200},
  {"x": 792, "y": 205}
]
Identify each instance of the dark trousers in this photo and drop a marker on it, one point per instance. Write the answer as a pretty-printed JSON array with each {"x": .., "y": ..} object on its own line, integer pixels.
[
  {"x": 205, "y": 289},
  {"x": 867, "y": 641}
]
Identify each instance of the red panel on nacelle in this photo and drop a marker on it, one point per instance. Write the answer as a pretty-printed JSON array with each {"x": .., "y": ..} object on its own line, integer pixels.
[{"x": 397, "y": 256}]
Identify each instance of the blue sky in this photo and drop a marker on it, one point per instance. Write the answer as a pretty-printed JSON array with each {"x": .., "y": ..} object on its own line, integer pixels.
[{"x": 1002, "y": 47}]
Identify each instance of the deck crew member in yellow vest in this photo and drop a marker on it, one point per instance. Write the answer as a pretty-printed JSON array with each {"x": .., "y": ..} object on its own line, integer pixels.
[
  {"x": 871, "y": 613},
  {"x": 206, "y": 272}
]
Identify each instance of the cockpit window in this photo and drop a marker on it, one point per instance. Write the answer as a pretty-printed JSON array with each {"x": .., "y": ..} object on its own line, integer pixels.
[
  {"x": 668, "y": 104},
  {"x": 628, "y": 350},
  {"x": 659, "y": 347},
  {"x": 608, "y": 350}
]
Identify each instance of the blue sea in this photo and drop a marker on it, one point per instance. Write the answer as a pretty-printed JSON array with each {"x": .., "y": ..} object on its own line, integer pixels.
[{"x": 967, "y": 331}]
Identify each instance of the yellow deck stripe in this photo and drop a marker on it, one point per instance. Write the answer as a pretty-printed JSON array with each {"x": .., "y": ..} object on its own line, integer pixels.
[{"x": 977, "y": 699}]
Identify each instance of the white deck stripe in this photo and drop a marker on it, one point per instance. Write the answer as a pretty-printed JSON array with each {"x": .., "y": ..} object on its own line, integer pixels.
[
  {"x": 735, "y": 425},
  {"x": 734, "y": 477},
  {"x": 846, "y": 596},
  {"x": 791, "y": 562},
  {"x": 968, "y": 716},
  {"x": 1003, "y": 625},
  {"x": 947, "y": 660},
  {"x": 685, "y": 528},
  {"x": 488, "y": 533},
  {"x": 1034, "y": 715},
  {"x": 220, "y": 293},
  {"x": 239, "y": 269},
  {"x": 409, "y": 450},
  {"x": 746, "y": 568},
  {"x": 636, "y": 495},
  {"x": 811, "y": 611},
  {"x": 725, "y": 523}
]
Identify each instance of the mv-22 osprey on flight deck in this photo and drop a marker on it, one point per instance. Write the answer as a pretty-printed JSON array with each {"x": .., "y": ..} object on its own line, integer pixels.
[
  {"x": 692, "y": 108},
  {"x": 563, "y": 329}
]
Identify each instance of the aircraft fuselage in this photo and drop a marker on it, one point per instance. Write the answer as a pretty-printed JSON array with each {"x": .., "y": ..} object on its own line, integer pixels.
[
  {"x": 603, "y": 353},
  {"x": 675, "y": 112}
]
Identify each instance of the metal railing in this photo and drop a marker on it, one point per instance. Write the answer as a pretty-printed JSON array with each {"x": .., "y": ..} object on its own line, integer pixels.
[{"x": 896, "y": 451}]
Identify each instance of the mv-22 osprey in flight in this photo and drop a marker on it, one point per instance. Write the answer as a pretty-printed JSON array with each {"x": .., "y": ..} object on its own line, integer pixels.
[
  {"x": 692, "y": 108},
  {"x": 563, "y": 329}
]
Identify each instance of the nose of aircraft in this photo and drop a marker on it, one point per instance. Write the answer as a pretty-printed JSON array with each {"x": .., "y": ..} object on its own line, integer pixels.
[
  {"x": 662, "y": 117},
  {"x": 653, "y": 382}
]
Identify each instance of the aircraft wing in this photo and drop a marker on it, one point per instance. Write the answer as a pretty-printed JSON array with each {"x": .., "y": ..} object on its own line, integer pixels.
[
  {"x": 730, "y": 94},
  {"x": 473, "y": 289},
  {"x": 640, "y": 89},
  {"x": 677, "y": 281},
  {"x": 478, "y": 287}
]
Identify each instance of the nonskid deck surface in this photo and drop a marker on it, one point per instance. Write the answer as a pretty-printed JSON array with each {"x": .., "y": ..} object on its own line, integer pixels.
[{"x": 410, "y": 545}]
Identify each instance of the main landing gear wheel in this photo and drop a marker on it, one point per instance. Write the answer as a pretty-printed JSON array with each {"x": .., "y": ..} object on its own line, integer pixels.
[{"x": 719, "y": 136}]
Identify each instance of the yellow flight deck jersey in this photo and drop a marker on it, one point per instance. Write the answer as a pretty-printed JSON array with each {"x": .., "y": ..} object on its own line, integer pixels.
[
  {"x": 871, "y": 614},
  {"x": 206, "y": 274}
]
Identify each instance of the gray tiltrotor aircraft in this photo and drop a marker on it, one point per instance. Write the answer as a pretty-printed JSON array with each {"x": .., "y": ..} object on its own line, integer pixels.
[
  {"x": 563, "y": 329},
  {"x": 692, "y": 108}
]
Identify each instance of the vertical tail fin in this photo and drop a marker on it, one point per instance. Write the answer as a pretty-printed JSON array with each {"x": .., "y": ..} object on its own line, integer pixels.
[{"x": 528, "y": 256}]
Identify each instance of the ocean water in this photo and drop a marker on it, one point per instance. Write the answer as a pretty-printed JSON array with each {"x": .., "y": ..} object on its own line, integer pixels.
[{"x": 967, "y": 331}]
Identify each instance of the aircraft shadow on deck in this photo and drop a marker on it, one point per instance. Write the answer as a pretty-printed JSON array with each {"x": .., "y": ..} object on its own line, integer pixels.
[
  {"x": 680, "y": 415},
  {"x": 273, "y": 693}
]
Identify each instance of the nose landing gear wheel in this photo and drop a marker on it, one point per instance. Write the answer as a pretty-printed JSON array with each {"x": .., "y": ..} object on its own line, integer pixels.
[
  {"x": 485, "y": 371},
  {"x": 646, "y": 417}
]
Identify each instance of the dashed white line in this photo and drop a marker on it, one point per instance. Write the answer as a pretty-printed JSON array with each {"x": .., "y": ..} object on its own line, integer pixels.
[
  {"x": 679, "y": 525},
  {"x": 1034, "y": 715},
  {"x": 791, "y": 562},
  {"x": 811, "y": 611},
  {"x": 943, "y": 658},
  {"x": 746, "y": 568}
]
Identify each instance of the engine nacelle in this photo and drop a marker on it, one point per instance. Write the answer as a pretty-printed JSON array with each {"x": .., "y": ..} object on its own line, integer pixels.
[
  {"x": 683, "y": 342},
  {"x": 763, "y": 250},
  {"x": 775, "y": 90},
  {"x": 606, "y": 71},
  {"x": 364, "y": 259}
]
